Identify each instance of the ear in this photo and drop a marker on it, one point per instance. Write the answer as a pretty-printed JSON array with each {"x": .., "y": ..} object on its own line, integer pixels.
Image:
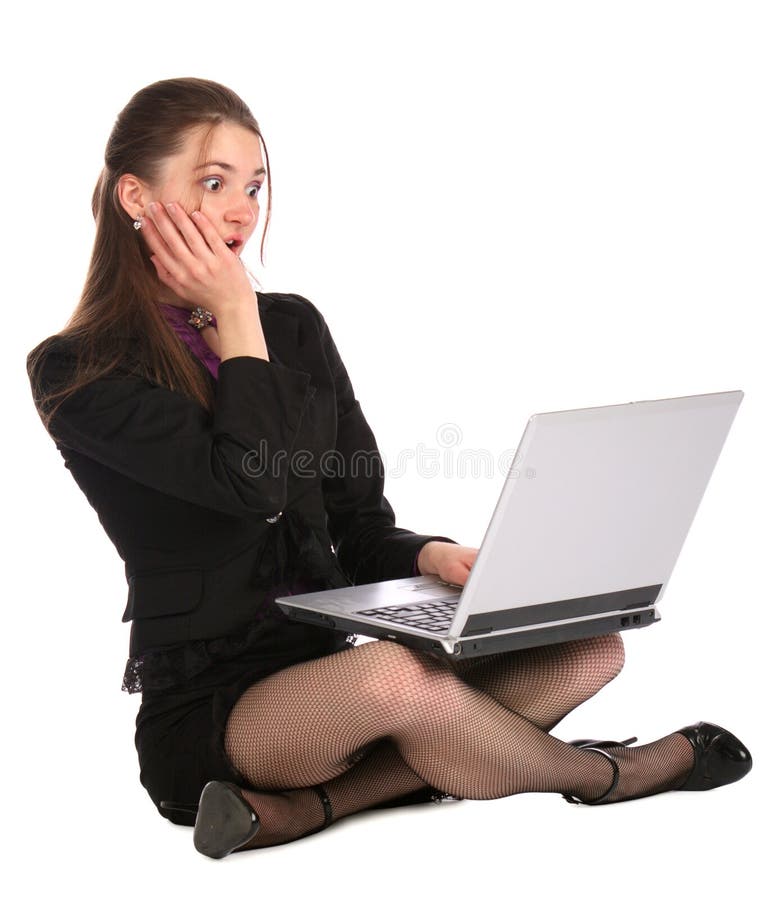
[{"x": 134, "y": 195}]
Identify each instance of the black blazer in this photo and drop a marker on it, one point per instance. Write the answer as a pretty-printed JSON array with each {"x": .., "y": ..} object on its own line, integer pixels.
[{"x": 209, "y": 512}]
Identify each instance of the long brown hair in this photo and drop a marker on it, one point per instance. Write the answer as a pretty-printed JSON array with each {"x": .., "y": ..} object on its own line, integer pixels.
[{"x": 118, "y": 318}]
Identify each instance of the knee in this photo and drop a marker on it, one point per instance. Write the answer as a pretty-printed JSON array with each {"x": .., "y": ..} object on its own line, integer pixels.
[
  {"x": 611, "y": 652},
  {"x": 397, "y": 676},
  {"x": 598, "y": 659}
]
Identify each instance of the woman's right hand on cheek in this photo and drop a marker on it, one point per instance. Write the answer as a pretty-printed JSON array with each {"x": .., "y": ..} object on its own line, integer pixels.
[{"x": 193, "y": 261}]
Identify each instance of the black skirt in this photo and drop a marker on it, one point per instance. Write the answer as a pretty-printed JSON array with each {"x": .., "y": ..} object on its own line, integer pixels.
[
  {"x": 179, "y": 731},
  {"x": 180, "y": 734}
]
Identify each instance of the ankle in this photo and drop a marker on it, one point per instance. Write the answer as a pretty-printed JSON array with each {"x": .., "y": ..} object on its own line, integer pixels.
[
  {"x": 663, "y": 765},
  {"x": 602, "y": 783},
  {"x": 285, "y": 815}
]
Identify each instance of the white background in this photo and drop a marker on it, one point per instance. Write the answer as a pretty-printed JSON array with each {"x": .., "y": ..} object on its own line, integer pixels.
[{"x": 538, "y": 206}]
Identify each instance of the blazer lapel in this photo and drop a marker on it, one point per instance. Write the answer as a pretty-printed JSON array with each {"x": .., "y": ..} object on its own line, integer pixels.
[{"x": 281, "y": 331}]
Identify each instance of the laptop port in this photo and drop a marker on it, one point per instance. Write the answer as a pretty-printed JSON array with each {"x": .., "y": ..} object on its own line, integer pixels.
[
  {"x": 624, "y": 621},
  {"x": 637, "y": 619}
]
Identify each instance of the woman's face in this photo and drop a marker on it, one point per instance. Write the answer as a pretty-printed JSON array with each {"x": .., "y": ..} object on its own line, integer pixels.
[{"x": 226, "y": 188}]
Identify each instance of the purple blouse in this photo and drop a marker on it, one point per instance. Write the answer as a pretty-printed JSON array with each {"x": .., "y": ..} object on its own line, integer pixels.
[
  {"x": 178, "y": 319},
  {"x": 179, "y": 322}
]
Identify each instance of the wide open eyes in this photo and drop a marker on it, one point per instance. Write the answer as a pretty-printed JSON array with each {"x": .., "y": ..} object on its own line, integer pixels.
[{"x": 214, "y": 183}]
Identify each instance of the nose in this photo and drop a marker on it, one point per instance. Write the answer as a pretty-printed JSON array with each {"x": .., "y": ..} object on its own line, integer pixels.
[{"x": 242, "y": 211}]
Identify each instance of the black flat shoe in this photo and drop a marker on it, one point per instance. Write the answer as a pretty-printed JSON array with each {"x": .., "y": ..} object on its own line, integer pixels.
[
  {"x": 720, "y": 758},
  {"x": 225, "y": 820}
]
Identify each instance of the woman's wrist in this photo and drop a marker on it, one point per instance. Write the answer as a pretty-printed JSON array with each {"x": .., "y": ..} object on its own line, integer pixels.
[
  {"x": 425, "y": 559},
  {"x": 240, "y": 333}
]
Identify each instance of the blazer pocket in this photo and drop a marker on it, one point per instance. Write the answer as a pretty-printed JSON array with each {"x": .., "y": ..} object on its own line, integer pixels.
[{"x": 169, "y": 593}]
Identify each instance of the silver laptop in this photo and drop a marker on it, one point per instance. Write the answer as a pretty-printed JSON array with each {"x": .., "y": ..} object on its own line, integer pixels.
[{"x": 586, "y": 532}]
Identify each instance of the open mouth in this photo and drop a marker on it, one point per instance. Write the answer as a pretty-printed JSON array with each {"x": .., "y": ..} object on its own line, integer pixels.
[{"x": 234, "y": 244}]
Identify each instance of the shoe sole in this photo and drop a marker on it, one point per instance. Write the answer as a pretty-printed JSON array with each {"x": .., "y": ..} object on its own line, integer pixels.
[{"x": 224, "y": 821}]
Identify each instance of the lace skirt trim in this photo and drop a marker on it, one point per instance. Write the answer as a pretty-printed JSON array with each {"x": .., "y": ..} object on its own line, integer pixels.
[{"x": 168, "y": 667}]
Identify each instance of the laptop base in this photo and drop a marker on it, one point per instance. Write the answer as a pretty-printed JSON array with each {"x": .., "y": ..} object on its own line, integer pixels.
[{"x": 462, "y": 648}]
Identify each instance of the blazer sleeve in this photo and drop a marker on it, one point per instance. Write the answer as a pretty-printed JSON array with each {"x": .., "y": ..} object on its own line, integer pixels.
[
  {"x": 235, "y": 461},
  {"x": 361, "y": 521}
]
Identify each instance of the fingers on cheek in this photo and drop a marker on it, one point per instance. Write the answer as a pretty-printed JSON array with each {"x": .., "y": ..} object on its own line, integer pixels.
[
  {"x": 163, "y": 274},
  {"x": 151, "y": 229},
  {"x": 150, "y": 236}
]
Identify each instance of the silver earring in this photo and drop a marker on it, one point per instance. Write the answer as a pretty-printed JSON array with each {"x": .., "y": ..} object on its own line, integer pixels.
[{"x": 138, "y": 223}]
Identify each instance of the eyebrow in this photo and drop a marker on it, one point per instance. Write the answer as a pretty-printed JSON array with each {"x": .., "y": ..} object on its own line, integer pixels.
[{"x": 227, "y": 168}]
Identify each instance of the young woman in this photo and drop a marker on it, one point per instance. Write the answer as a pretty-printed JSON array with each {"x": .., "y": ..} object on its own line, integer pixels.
[{"x": 217, "y": 435}]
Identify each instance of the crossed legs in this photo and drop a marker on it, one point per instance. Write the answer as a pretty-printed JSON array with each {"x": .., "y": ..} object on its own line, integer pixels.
[
  {"x": 544, "y": 684},
  {"x": 379, "y": 721}
]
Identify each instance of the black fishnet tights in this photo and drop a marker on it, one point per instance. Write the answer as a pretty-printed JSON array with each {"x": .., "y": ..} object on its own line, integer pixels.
[
  {"x": 544, "y": 684},
  {"x": 379, "y": 721}
]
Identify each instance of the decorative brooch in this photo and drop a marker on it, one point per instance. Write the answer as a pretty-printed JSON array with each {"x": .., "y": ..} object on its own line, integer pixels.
[{"x": 200, "y": 318}]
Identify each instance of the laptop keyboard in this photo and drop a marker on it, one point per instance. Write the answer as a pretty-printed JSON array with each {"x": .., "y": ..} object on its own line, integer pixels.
[{"x": 432, "y": 615}]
